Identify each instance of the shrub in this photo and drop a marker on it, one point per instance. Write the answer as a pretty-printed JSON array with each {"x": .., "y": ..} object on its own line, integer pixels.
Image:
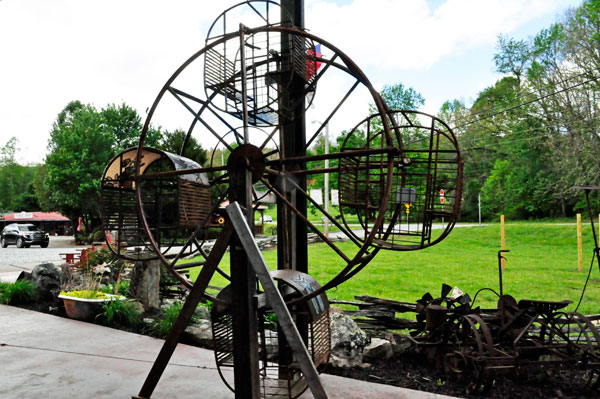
[
  {"x": 98, "y": 235},
  {"x": 270, "y": 321},
  {"x": 122, "y": 288},
  {"x": 118, "y": 312},
  {"x": 162, "y": 325},
  {"x": 21, "y": 291},
  {"x": 85, "y": 294}
]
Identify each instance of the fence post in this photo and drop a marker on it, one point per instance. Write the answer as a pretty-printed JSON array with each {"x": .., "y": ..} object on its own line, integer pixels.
[
  {"x": 502, "y": 240},
  {"x": 579, "y": 244}
]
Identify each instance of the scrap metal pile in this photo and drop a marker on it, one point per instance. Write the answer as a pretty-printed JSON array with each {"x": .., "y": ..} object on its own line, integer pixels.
[{"x": 481, "y": 344}]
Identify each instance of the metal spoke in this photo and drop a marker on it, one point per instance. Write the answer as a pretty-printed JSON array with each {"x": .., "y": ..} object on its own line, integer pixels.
[
  {"x": 269, "y": 137},
  {"x": 180, "y": 172},
  {"x": 319, "y": 207},
  {"x": 337, "y": 107},
  {"x": 208, "y": 127},
  {"x": 194, "y": 235},
  {"x": 305, "y": 219}
]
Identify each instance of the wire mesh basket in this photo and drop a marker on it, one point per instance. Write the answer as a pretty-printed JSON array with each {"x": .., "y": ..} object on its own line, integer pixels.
[
  {"x": 280, "y": 375},
  {"x": 174, "y": 205}
]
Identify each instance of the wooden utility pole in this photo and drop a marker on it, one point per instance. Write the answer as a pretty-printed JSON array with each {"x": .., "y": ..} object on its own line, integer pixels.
[
  {"x": 579, "y": 244},
  {"x": 502, "y": 240}
]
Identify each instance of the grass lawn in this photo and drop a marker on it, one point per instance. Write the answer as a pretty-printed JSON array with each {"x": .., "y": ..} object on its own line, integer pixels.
[{"x": 542, "y": 264}]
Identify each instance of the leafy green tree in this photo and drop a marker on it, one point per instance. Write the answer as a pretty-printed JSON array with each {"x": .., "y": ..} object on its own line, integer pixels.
[
  {"x": 42, "y": 193},
  {"x": 15, "y": 180},
  {"x": 80, "y": 146},
  {"x": 526, "y": 160},
  {"x": 173, "y": 142},
  {"x": 125, "y": 126},
  {"x": 564, "y": 73},
  {"x": 512, "y": 57},
  {"x": 397, "y": 97},
  {"x": 8, "y": 173},
  {"x": 27, "y": 200},
  {"x": 82, "y": 142}
]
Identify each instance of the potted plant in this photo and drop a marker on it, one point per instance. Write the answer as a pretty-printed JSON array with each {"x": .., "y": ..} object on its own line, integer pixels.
[
  {"x": 85, "y": 304},
  {"x": 82, "y": 295}
]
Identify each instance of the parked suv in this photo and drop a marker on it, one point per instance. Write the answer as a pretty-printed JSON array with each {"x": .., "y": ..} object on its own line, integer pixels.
[{"x": 23, "y": 235}]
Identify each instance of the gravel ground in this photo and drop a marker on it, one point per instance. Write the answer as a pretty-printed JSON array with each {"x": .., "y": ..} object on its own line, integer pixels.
[{"x": 14, "y": 259}]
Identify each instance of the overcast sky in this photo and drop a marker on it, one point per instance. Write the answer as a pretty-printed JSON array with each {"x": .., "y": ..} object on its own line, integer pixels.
[{"x": 114, "y": 51}]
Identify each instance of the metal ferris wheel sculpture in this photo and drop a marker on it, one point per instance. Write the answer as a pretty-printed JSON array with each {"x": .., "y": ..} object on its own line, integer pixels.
[{"x": 247, "y": 91}]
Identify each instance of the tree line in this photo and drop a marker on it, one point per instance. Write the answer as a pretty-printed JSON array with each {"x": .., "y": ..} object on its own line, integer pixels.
[
  {"x": 531, "y": 137},
  {"x": 526, "y": 141},
  {"x": 82, "y": 142},
  {"x": 535, "y": 134}
]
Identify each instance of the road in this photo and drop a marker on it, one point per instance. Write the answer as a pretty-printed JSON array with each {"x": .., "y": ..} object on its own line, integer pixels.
[{"x": 16, "y": 259}]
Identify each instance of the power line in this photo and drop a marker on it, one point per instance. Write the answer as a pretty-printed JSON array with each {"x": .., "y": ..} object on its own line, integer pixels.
[
  {"x": 503, "y": 138},
  {"x": 546, "y": 86},
  {"x": 504, "y": 142},
  {"x": 525, "y": 103},
  {"x": 516, "y": 106}
]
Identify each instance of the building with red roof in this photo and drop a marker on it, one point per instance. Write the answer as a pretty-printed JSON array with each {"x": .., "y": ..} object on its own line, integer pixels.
[{"x": 50, "y": 222}]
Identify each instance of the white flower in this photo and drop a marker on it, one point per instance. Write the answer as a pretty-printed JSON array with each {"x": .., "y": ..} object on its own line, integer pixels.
[{"x": 101, "y": 269}]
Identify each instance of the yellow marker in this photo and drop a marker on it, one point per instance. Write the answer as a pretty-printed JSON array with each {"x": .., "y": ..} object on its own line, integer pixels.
[{"x": 407, "y": 205}]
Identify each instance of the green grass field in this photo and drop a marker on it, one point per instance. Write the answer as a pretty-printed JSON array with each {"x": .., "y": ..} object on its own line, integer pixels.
[{"x": 542, "y": 264}]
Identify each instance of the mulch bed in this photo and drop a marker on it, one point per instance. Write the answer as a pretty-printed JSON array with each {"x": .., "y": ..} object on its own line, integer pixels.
[{"x": 411, "y": 370}]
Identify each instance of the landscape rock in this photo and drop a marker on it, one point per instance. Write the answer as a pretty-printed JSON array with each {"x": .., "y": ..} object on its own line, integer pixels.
[
  {"x": 138, "y": 306},
  {"x": 168, "y": 302},
  {"x": 46, "y": 278},
  {"x": 402, "y": 346},
  {"x": 199, "y": 334},
  {"x": 202, "y": 313},
  {"x": 347, "y": 341},
  {"x": 378, "y": 349},
  {"x": 145, "y": 283}
]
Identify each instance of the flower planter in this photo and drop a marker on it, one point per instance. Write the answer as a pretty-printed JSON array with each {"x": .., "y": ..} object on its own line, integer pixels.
[{"x": 83, "y": 308}]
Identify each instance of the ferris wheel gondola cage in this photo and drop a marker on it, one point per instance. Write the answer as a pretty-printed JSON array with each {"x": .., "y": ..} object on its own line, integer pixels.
[{"x": 174, "y": 205}]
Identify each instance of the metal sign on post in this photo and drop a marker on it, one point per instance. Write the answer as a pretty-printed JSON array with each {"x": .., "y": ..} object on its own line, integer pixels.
[{"x": 442, "y": 198}]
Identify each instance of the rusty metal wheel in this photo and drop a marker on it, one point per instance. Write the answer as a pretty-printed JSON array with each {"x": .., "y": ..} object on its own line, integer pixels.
[
  {"x": 259, "y": 78},
  {"x": 260, "y": 147},
  {"x": 478, "y": 348}
]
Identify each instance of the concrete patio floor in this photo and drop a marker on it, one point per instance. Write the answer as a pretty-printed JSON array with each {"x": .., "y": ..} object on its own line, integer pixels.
[{"x": 45, "y": 356}]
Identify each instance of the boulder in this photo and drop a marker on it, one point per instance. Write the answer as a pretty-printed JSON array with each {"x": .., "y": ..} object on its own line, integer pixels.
[
  {"x": 202, "y": 313},
  {"x": 138, "y": 305},
  {"x": 378, "y": 349},
  {"x": 347, "y": 341},
  {"x": 199, "y": 334},
  {"x": 168, "y": 302},
  {"x": 46, "y": 278}
]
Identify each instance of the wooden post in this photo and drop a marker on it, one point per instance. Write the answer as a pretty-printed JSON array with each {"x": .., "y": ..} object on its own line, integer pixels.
[
  {"x": 502, "y": 240},
  {"x": 579, "y": 244}
]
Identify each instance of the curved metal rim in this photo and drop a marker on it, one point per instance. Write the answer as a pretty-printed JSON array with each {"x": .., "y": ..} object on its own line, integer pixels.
[
  {"x": 357, "y": 262},
  {"x": 458, "y": 197},
  {"x": 110, "y": 247}
]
